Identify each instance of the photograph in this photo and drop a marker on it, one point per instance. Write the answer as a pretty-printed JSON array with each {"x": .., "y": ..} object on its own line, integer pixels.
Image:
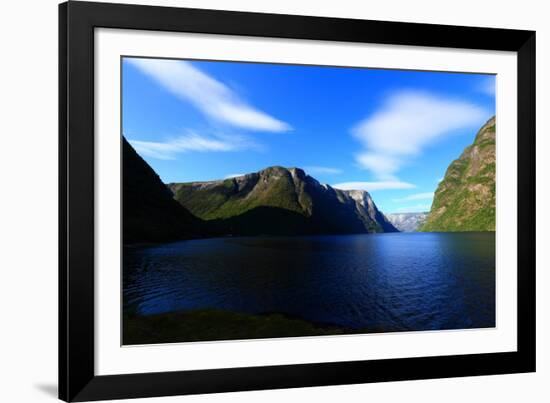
[{"x": 264, "y": 200}]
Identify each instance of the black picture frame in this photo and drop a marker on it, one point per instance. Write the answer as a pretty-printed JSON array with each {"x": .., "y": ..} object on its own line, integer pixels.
[{"x": 77, "y": 379}]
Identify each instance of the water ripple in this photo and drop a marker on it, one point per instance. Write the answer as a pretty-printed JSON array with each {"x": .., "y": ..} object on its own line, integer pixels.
[{"x": 415, "y": 281}]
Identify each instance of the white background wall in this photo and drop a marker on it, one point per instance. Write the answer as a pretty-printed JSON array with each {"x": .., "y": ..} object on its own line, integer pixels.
[{"x": 28, "y": 199}]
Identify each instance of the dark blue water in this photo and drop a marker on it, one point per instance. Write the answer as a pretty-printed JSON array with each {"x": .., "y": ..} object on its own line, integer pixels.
[{"x": 401, "y": 281}]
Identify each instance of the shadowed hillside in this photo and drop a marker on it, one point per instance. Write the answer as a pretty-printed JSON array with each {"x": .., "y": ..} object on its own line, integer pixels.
[{"x": 150, "y": 212}]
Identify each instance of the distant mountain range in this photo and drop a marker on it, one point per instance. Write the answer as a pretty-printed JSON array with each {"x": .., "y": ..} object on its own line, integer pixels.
[
  {"x": 280, "y": 201},
  {"x": 465, "y": 198},
  {"x": 407, "y": 222}
]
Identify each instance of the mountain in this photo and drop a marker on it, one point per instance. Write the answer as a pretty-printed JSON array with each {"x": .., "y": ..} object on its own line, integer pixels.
[
  {"x": 407, "y": 222},
  {"x": 367, "y": 209},
  {"x": 280, "y": 201},
  {"x": 150, "y": 212},
  {"x": 465, "y": 198}
]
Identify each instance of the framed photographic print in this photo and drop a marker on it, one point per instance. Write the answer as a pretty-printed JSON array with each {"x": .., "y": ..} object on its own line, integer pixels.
[{"x": 254, "y": 201}]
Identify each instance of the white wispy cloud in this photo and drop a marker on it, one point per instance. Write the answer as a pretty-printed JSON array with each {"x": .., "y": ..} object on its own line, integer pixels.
[
  {"x": 167, "y": 150},
  {"x": 372, "y": 186},
  {"x": 210, "y": 96},
  {"x": 416, "y": 196},
  {"x": 407, "y": 123},
  {"x": 233, "y": 176},
  {"x": 322, "y": 170},
  {"x": 383, "y": 166},
  {"x": 419, "y": 208}
]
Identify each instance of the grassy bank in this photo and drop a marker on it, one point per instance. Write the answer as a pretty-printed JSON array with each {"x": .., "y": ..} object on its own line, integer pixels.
[{"x": 206, "y": 325}]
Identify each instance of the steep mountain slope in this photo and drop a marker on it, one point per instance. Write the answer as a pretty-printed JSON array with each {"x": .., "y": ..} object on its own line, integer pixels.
[
  {"x": 280, "y": 201},
  {"x": 367, "y": 210},
  {"x": 407, "y": 222},
  {"x": 465, "y": 198},
  {"x": 150, "y": 214}
]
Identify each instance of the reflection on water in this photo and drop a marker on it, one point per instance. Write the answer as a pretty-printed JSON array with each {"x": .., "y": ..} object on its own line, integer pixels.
[{"x": 398, "y": 281}]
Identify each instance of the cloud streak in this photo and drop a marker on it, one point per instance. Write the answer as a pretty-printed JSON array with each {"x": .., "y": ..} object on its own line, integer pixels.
[
  {"x": 190, "y": 142},
  {"x": 407, "y": 123},
  {"x": 416, "y": 196},
  {"x": 322, "y": 170},
  {"x": 213, "y": 98},
  {"x": 372, "y": 186}
]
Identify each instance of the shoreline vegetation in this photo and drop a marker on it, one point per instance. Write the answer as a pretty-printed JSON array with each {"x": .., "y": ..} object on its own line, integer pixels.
[{"x": 216, "y": 325}]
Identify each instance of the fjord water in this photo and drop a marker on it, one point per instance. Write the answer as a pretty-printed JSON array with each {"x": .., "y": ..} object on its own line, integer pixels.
[{"x": 384, "y": 282}]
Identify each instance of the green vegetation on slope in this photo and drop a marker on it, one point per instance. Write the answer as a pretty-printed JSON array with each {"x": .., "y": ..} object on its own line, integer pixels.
[
  {"x": 465, "y": 198},
  {"x": 232, "y": 197},
  {"x": 279, "y": 201},
  {"x": 210, "y": 324}
]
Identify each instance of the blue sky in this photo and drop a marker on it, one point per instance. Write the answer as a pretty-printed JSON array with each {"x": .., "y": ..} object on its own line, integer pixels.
[{"x": 391, "y": 132}]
